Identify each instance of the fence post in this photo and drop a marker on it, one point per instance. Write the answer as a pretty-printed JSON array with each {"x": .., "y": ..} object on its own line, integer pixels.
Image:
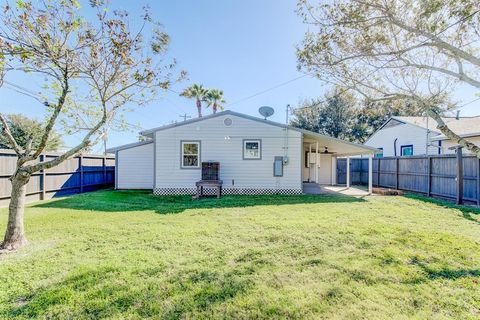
[
  {"x": 397, "y": 160},
  {"x": 429, "y": 176},
  {"x": 378, "y": 172},
  {"x": 104, "y": 170},
  {"x": 459, "y": 175},
  {"x": 43, "y": 177},
  {"x": 80, "y": 164},
  {"x": 348, "y": 172},
  {"x": 478, "y": 182}
]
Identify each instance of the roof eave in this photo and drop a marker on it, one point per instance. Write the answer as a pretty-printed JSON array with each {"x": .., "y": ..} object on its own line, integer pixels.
[
  {"x": 466, "y": 135},
  {"x": 128, "y": 146}
]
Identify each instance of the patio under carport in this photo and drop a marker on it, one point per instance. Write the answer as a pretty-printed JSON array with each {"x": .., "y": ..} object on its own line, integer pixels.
[{"x": 320, "y": 154}]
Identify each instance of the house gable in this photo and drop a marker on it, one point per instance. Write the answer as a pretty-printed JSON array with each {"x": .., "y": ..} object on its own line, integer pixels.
[
  {"x": 395, "y": 134},
  {"x": 221, "y": 139},
  {"x": 392, "y": 123},
  {"x": 255, "y": 120}
]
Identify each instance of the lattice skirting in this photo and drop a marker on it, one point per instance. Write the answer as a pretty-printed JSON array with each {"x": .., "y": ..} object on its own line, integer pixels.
[{"x": 225, "y": 191}]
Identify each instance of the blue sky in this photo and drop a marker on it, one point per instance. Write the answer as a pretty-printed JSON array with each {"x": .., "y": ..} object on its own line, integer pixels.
[{"x": 242, "y": 47}]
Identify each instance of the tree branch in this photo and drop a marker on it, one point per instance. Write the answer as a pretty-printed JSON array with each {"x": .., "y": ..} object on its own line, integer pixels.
[
  {"x": 53, "y": 117},
  {"x": 70, "y": 153},
  {"x": 452, "y": 135},
  {"x": 6, "y": 130},
  {"x": 437, "y": 41},
  {"x": 460, "y": 76}
]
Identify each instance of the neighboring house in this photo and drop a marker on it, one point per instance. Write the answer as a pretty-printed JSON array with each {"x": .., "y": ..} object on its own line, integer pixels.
[
  {"x": 255, "y": 156},
  {"x": 406, "y": 136}
]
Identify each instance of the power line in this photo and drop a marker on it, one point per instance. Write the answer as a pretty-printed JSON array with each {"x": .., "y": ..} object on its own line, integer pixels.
[
  {"x": 20, "y": 87},
  {"x": 267, "y": 90},
  {"x": 20, "y": 90},
  {"x": 466, "y": 104}
]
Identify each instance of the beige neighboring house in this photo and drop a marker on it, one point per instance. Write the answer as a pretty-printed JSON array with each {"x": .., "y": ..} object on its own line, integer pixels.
[{"x": 407, "y": 136}]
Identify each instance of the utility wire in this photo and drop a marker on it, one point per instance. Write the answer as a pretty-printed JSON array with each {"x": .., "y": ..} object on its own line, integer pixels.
[
  {"x": 17, "y": 89},
  {"x": 466, "y": 104},
  {"x": 266, "y": 90},
  {"x": 30, "y": 93}
]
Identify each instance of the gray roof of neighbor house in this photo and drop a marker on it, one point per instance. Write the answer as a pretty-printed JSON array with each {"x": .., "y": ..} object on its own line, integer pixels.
[
  {"x": 149, "y": 133},
  {"x": 463, "y": 126},
  {"x": 128, "y": 146}
]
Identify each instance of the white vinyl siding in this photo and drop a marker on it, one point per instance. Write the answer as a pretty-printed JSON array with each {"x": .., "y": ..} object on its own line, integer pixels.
[
  {"x": 447, "y": 144},
  {"x": 406, "y": 134},
  {"x": 325, "y": 170},
  {"x": 135, "y": 167},
  {"x": 225, "y": 144}
]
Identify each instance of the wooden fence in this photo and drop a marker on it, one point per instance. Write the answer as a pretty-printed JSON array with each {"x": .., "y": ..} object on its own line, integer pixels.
[
  {"x": 438, "y": 176},
  {"x": 80, "y": 174}
]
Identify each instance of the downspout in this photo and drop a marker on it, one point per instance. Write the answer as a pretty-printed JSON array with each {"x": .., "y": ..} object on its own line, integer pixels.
[
  {"x": 285, "y": 141},
  {"x": 395, "y": 147}
]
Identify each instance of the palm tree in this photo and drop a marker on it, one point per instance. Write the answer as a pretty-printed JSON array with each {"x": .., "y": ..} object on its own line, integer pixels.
[
  {"x": 197, "y": 92},
  {"x": 215, "y": 99}
]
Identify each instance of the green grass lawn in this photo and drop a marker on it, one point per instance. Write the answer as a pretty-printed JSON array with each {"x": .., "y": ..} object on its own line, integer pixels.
[{"x": 132, "y": 255}]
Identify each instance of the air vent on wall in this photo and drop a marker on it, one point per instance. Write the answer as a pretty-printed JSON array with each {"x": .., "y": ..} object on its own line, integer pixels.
[{"x": 227, "y": 122}]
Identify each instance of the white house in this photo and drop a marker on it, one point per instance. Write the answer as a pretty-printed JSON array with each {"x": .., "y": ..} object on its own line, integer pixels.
[
  {"x": 406, "y": 136},
  {"x": 256, "y": 156}
]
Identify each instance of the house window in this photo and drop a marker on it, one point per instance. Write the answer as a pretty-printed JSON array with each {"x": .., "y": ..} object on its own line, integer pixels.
[
  {"x": 406, "y": 150},
  {"x": 252, "y": 149},
  {"x": 190, "y": 154},
  {"x": 379, "y": 155}
]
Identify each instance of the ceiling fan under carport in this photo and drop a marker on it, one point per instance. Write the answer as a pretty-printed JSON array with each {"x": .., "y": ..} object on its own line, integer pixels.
[{"x": 325, "y": 151}]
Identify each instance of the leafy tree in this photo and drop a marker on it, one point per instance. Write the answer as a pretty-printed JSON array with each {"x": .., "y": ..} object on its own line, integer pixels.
[
  {"x": 215, "y": 99},
  {"x": 198, "y": 93},
  {"x": 23, "y": 129},
  {"x": 334, "y": 115},
  {"x": 102, "y": 63},
  {"x": 395, "y": 50},
  {"x": 340, "y": 115}
]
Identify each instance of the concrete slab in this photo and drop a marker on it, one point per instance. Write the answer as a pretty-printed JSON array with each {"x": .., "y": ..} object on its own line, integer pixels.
[{"x": 313, "y": 188}]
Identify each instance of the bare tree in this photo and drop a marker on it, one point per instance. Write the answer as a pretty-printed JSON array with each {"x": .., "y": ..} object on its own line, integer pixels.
[
  {"x": 396, "y": 49},
  {"x": 94, "y": 70}
]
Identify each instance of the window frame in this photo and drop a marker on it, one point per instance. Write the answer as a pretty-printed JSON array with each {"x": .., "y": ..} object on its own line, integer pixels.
[
  {"x": 244, "y": 141},
  {"x": 379, "y": 155},
  {"x": 199, "y": 144},
  {"x": 405, "y": 147}
]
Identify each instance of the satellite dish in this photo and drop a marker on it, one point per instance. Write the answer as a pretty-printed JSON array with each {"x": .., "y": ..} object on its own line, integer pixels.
[{"x": 266, "y": 111}]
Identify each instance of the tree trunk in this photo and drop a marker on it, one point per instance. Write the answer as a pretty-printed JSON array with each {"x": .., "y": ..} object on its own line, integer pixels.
[
  {"x": 199, "y": 108},
  {"x": 214, "y": 108},
  {"x": 15, "y": 233}
]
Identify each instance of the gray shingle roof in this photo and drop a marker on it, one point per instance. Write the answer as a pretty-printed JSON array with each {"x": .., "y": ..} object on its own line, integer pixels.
[{"x": 462, "y": 126}]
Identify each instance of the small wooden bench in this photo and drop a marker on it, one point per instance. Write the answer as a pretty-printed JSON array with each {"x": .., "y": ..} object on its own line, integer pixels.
[{"x": 217, "y": 184}]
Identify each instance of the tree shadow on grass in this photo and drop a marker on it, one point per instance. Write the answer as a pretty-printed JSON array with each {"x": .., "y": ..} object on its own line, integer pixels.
[
  {"x": 442, "y": 273},
  {"x": 119, "y": 201},
  {"x": 468, "y": 212},
  {"x": 115, "y": 292}
]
